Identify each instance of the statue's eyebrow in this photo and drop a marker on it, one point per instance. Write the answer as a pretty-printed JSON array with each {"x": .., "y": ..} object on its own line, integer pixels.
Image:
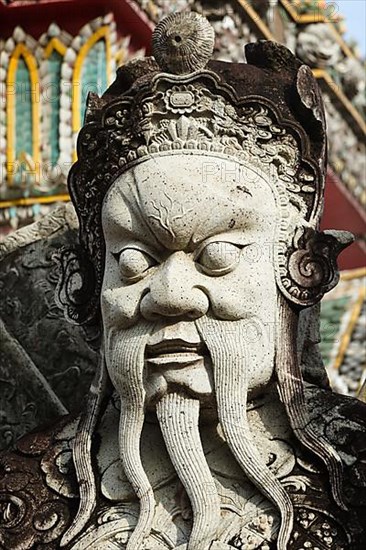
[
  {"x": 136, "y": 209},
  {"x": 248, "y": 220},
  {"x": 139, "y": 230}
]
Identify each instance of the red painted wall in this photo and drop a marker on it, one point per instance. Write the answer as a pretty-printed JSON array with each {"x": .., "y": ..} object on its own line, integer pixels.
[
  {"x": 71, "y": 15},
  {"x": 341, "y": 211}
]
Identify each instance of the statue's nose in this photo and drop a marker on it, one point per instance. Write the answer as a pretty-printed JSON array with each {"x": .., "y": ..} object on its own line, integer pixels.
[{"x": 173, "y": 292}]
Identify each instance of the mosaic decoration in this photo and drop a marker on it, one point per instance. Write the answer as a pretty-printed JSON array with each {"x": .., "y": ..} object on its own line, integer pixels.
[
  {"x": 55, "y": 61},
  {"x": 22, "y": 113},
  {"x": 94, "y": 74},
  {"x": 23, "y": 116},
  {"x": 44, "y": 85},
  {"x": 51, "y": 55}
]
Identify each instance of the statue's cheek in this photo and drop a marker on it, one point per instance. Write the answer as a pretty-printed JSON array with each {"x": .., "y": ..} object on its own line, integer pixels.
[
  {"x": 242, "y": 295},
  {"x": 227, "y": 304},
  {"x": 120, "y": 306}
]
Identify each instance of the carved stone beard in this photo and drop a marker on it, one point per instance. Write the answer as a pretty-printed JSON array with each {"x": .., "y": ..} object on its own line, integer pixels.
[
  {"x": 125, "y": 354},
  {"x": 178, "y": 416},
  {"x": 232, "y": 358}
]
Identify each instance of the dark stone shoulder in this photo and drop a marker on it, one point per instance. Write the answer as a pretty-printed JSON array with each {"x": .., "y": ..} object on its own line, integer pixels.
[
  {"x": 342, "y": 421},
  {"x": 38, "y": 490}
]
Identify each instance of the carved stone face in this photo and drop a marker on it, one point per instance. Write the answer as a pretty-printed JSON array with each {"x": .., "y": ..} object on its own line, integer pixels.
[
  {"x": 189, "y": 310},
  {"x": 189, "y": 237}
]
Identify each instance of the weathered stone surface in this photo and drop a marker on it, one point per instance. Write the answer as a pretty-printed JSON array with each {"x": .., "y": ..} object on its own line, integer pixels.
[
  {"x": 46, "y": 364},
  {"x": 199, "y": 198},
  {"x": 316, "y": 46}
]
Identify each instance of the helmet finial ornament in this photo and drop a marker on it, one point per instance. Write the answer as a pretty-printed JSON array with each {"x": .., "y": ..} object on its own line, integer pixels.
[{"x": 183, "y": 43}]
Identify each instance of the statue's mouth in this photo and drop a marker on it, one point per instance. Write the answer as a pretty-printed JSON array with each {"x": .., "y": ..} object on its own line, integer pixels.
[
  {"x": 177, "y": 358},
  {"x": 175, "y": 352}
]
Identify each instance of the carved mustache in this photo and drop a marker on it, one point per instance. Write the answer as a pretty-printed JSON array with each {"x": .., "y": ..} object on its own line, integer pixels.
[{"x": 176, "y": 345}]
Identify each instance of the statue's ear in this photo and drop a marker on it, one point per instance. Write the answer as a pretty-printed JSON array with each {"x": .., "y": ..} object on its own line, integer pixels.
[
  {"x": 312, "y": 264},
  {"x": 76, "y": 292}
]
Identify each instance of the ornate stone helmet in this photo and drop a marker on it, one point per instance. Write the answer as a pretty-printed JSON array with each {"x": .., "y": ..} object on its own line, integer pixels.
[{"x": 267, "y": 114}]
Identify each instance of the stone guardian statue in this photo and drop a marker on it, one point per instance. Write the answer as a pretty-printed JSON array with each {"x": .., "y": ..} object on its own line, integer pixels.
[{"x": 210, "y": 424}]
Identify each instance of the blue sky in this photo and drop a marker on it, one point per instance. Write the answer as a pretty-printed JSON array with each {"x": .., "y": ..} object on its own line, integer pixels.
[{"x": 355, "y": 14}]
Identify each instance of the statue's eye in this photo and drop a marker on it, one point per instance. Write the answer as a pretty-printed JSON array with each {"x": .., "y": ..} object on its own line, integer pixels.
[
  {"x": 134, "y": 264},
  {"x": 219, "y": 258}
]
